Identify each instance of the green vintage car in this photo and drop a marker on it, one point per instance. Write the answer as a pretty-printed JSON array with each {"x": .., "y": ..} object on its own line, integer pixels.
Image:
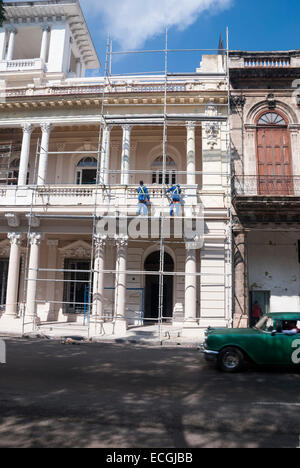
[{"x": 275, "y": 340}]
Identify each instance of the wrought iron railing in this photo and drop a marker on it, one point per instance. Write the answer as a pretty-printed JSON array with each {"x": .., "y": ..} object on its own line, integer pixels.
[{"x": 255, "y": 185}]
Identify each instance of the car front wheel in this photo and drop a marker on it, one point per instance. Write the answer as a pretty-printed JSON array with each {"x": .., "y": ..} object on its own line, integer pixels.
[{"x": 231, "y": 360}]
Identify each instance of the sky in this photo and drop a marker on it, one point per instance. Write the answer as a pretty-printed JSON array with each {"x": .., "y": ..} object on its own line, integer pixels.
[{"x": 192, "y": 24}]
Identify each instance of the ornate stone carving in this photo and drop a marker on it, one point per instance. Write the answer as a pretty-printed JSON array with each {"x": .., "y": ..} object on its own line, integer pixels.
[
  {"x": 211, "y": 110},
  {"x": 100, "y": 241},
  {"x": 237, "y": 101},
  {"x": 212, "y": 130},
  {"x": 121, "y": 241},
  {"x": 46, "y": 127},
  {"x": 15, "y": 238},
  {"x": 27, "y": 128},
  {"x": 78, "y": 249},
  {"x": 35, "y": 238}
]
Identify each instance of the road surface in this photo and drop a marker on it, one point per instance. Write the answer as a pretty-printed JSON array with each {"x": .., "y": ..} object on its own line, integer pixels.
[{"x": 134, "y": 396}]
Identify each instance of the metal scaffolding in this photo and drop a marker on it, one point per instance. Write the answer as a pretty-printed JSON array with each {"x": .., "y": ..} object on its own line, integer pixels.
[{"x": 163, "y": 120}]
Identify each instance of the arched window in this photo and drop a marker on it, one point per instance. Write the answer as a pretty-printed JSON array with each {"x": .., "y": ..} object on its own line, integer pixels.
[
  {"x": 86, "y": 173},
  {"x": 271, "y": 119},
  {"x": 157, "y": 171},
  {"x": 274, "y": 160}
]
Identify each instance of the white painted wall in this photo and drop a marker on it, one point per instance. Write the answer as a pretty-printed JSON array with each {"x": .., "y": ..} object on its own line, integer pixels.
[
  {"x": 57, "y": 61},
  {"x": 274, "y": 267}
]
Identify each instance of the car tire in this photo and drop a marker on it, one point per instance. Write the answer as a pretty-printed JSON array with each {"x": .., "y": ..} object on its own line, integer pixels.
[{"x": 231, "y": 360}]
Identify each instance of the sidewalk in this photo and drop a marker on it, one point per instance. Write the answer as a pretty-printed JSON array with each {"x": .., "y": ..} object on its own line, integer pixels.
[{"x": 151, "y": 335}]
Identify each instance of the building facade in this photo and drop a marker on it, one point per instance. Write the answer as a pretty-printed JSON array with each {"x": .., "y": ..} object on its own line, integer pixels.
[
  {"x": 73, "y": 152},
  {"x": 265, "y": 136}
]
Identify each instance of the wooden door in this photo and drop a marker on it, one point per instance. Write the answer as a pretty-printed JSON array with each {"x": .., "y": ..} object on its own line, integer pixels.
[{"x": 275, "y": 174}]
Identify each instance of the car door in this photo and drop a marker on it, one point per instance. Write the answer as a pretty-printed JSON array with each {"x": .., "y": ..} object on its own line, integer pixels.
[{"x": 283, "y": 349}]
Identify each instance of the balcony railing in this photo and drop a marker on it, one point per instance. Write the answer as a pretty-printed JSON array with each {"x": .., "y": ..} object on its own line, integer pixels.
[
  {"x": 265, "y": 62},
  {"x": 272, "y": 186},
  {"x": 72, "y": 197},
  {"x": 21, "y": 65}
]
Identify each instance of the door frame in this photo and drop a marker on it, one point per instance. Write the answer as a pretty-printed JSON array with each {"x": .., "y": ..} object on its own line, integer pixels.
[{"x": 288, "y": 177}]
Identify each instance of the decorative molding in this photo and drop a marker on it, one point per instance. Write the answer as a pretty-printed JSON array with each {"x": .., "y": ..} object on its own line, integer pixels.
[
  {"x": 15, "y": 238},
  {"x": 212, "y": 130},
  {"x": 46, "y": 127},
  {"x": 13, "y": 219},
  {"x": 121, "y": 241},
  {"x": 79, "y": 249},
  {"x": 237, "y": 101},
  {"x": 35, "y": 238},
  {"x": 27, "y": 128},
  {"x": 211, "y": 110},
  {"x": 271, "y": 101}
]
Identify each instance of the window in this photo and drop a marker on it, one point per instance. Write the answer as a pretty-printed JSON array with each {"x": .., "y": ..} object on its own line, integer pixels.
[
  {"x": 271, "y": 118},
  {"x": 86, "y": 173},
  {"x": 274, "y": 157},
  {"x": 157, "y": 168},
  {"x": 13, "y": 173}
]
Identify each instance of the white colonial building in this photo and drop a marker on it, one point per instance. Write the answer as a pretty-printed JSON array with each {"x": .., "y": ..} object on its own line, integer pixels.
[{"x": 73, "y": 151}]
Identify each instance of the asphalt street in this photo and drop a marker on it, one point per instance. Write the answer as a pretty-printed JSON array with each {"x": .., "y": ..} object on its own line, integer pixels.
[{"x": 133, "y": 396}]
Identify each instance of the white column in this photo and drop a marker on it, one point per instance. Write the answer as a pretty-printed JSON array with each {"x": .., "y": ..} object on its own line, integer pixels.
[
  {"x": 191, "y": 153},
  {"x": 43, "y": 163},
  {"x": 45, "y": 42},
  {"x": 125, "y": 155},
  {"x": 105, "y": 156},
  {"x": 35, "y": 241},
  {"x": 120, "y": 291},
  {"x": 11, "y": 309},
  {"x": 78, "y": 68},
  {"x": 98, "y": 282},
  {"x": 11, "y": 44},
  {"x": 25, "y": 153},
  {"x": 190, "y": 285},
  {"x": 51, "y": 276}
]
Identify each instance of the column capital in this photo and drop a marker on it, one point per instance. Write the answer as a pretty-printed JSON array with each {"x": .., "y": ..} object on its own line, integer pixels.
[
  {"x": 45, "y": 28},
  {"x": 46, "y": 127},
  {"x": 27, "y": 128},
  {"x": 15, "y": 238},
  {"x": 12, "y": 29},
  {"x": 191, "y": 125},
  {"x": 121, "y": 241},
  {"x": 35, "y": 238},
  {"x": 127, "y": 127},
  {"x": 100, "y": 240}
]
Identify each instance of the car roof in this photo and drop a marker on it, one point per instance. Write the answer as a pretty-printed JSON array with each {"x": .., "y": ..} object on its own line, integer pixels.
[{"x": 285, "y": 316}]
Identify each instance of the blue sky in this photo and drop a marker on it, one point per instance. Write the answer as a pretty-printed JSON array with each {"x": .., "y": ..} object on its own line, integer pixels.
[{"x": 139, "y": 24}]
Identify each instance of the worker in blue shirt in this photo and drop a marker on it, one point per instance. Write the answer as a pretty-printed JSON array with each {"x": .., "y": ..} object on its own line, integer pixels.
[
  {"x": 175, "y": 190},
  {"x": 143, "y": 198}
]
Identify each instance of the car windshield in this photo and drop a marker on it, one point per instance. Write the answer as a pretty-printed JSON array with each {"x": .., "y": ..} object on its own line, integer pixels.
[{"x": 265, "y": 324}]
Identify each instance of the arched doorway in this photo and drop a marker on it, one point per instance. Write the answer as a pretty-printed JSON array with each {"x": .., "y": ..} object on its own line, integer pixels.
[
  {"x": 152, "y": 263},
  {"x": 274, "y": 161}
]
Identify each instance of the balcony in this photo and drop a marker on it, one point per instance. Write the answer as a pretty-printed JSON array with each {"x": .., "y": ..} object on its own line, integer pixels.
[
  {"x": 22, "y": 65},
  {"x": 267, "y": 199},
  {"x": 82, "y": 198}
]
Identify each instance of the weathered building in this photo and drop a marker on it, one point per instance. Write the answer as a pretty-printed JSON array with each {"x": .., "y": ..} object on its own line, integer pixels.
[
  {"x": 73, "y": 151},
  {"x": 265, "y": 126}
]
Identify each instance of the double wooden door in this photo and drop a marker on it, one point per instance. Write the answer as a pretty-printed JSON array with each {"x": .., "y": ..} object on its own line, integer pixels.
[{"x": 275, "y": 174}]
